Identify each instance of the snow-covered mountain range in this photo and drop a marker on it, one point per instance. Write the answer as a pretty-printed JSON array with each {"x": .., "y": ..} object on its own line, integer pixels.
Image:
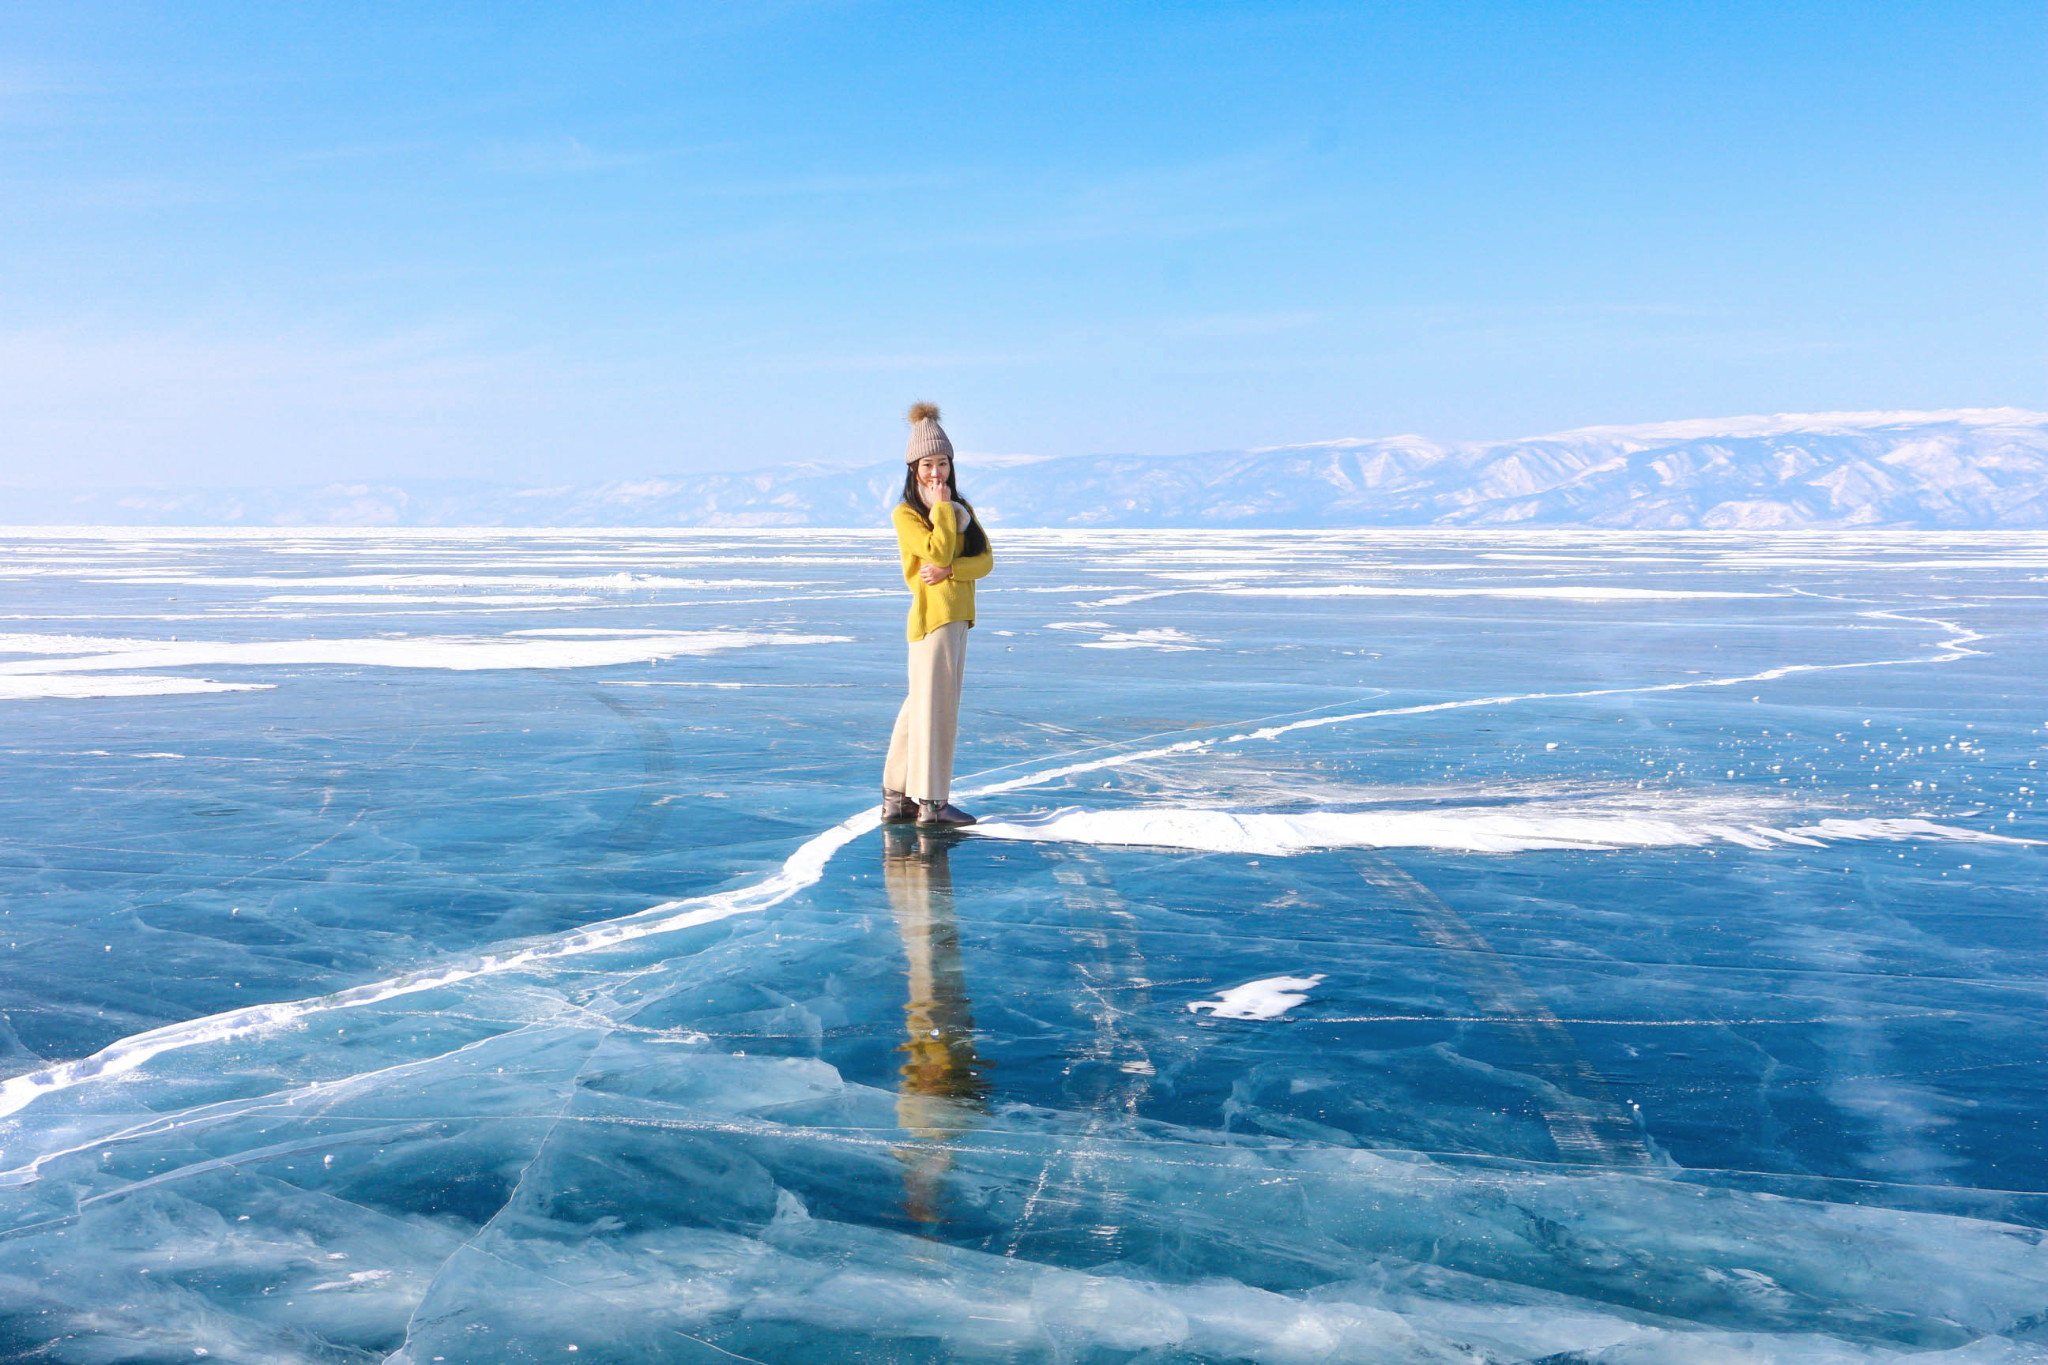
[{"x": 1979, "y": 468}]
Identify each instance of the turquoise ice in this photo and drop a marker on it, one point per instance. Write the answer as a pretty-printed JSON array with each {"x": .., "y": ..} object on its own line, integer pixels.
[{"x": 1379, "y": 947}]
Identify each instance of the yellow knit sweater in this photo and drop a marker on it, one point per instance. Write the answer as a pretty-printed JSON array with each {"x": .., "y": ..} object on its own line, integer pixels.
[{"x": 934, "y": 604}]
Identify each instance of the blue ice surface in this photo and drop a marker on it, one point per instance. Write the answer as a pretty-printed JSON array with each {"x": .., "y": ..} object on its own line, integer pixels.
[{"x": 1602, "y": 948}]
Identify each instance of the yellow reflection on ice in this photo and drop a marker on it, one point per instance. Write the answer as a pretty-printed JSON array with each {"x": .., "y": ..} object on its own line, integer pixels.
[{"x": 942, "y": 1091}]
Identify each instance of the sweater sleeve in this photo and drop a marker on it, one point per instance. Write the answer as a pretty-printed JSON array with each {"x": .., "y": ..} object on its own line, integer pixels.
[
  {"x": 970, "y": 567},
  {"x": 934, "y": 544}
]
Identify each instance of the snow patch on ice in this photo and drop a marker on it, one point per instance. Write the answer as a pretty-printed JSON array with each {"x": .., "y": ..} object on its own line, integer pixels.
[
  {"x": 357, "y": 1280},
  {"x": 1477, "y": 829},
  {"x": 44, "y": 686},
  {"x": 1577, "y": 592},
  {"x": 1902, "y": 829},
  {"x": 433, "y": 599},
  {"x": 1574, "y": 592},
  {"x": 67, "y": 655},
  {"x": 1164, "y": 638},
  {"x": 1267, "y": 998},
  {"x": 1161, "y": 638},
  {"x": 615, "y": 582}
]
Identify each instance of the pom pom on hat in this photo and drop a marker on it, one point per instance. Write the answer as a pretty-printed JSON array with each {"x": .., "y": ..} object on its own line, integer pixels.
[{"x": 927, "y": 437}]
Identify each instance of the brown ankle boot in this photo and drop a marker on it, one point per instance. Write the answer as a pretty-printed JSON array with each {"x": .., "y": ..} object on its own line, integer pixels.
[
  {"x": 896, "y": 807},
  {"x": 941, "y": 813}
]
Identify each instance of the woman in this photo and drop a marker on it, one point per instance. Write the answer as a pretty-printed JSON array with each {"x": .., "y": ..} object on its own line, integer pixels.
[{"x": 944, "y": 551}]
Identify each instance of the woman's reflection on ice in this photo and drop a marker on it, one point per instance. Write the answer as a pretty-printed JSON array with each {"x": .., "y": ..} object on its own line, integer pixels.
[{"x": 942, "y": 1092}]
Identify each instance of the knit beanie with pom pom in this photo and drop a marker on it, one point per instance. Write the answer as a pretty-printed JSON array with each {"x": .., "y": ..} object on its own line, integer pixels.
[{"x": 927, "y": 437}]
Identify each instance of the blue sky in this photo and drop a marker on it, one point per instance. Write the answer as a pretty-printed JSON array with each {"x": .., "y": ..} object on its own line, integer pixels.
[{"x": 269, "y": 242}]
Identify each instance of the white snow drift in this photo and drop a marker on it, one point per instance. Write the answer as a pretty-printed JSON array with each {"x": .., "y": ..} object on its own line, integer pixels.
[
  {"x": 57, "y": 662},
  {"x": 1472, "y": 829}
]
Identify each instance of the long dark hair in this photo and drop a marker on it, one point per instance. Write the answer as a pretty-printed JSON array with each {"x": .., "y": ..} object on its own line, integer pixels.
[{"x": 975, "y": 541}]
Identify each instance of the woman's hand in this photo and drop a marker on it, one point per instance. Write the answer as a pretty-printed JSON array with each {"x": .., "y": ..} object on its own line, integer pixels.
[
  {"x": 935, "y": 573},
  {"x": 934, "y": 480}
]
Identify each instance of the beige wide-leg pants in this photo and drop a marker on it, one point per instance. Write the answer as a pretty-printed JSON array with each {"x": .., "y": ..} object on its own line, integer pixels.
[{"x": 920, "y": 763}]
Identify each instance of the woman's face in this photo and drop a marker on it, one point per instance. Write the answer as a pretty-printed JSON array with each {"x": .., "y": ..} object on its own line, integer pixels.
[{"x": 933, "y": 472}]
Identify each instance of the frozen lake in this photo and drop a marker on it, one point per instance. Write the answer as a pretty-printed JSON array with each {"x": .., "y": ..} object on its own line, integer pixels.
[{"x": 1411, "y": 947}]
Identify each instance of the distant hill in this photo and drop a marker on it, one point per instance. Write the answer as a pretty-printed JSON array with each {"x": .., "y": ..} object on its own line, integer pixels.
[{"x": 1981, "y": 468}]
